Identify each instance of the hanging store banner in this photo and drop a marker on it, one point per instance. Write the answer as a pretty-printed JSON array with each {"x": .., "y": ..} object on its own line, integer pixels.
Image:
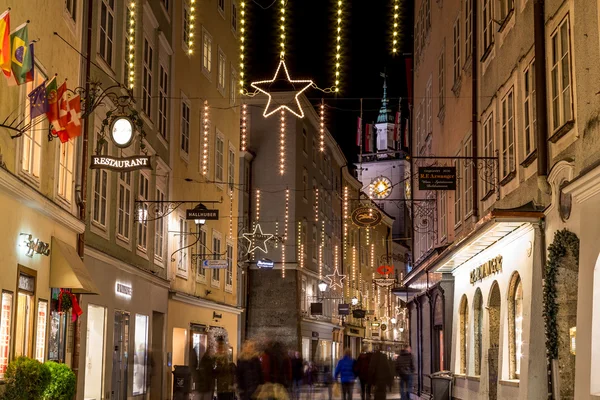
[
  {"x": 121, "y": 164},
  {"x": 366, "y": 217},
  {"x": 437, "y": 178},
  {"x": 209, "y": 215},
  {"x": 384, "y": 282}
]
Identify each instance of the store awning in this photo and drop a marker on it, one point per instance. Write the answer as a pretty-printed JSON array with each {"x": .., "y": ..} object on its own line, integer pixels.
[{"x": 68, "y": 271}]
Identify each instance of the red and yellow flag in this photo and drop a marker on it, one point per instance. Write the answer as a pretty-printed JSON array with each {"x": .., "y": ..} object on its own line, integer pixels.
[{"x": 5, "y": 54}]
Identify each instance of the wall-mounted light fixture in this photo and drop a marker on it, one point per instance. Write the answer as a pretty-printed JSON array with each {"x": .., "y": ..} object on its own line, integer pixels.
[{"x": 33, "y": 246}]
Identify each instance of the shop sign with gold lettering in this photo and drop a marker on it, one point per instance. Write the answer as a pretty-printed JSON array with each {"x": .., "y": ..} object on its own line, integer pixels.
[
  {"x": 121, "y": 164},
  {"x": 486, "y": 269},
  {"x": 366, "y": 217}
]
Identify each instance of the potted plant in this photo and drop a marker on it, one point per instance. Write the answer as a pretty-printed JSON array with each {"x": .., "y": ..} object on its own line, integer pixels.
[
  {"x": 26, "y": 379},
  {"x": 63, "y": 383}
]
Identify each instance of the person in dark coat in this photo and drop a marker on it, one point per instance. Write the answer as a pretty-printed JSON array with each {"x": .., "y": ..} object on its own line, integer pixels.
[
  {"x": 224, "y": 373},
  {"x": 380, "y": 374},
  {"x": 362, "y": 371},
  {"x": 276, "y": 365},
  {"x": 204, "y": 375},
  {"x": 405, "y": 368},
  {"x": 249, "y": 372},
  {"x": 297, "y": 374},
  {"x": 328, "y": 381}
]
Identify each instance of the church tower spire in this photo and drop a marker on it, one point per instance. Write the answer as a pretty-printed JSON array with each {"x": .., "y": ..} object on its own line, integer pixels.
[{"x": 385, "y": 113}]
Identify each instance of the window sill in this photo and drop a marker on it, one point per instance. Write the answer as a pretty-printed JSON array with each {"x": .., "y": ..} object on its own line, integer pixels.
[
  {"x": 511, "y": 382},
  {"x": 487, "y": 52},
  {"x": 508, "y": 178},
  {"x": 207, "y": 74},
  {"x": 215, "y": 284},
  {"x": 163, "y": 140},
  {"x": 30, "y": 179},
  {"x": 99, "y": 230},
  {"x": 201, "y": 280},
  {"x": 221, "y": 12},
  {"x": 181, "y": 275},
  {"x": 442, "y": 114},
  {"x": 229, "y": 289},
  {"x": 184, "y": 156},
  {"x": 123, "y": 241},
  {"x": 456, "y": 86},
  {"x": 488, "y": 195},
  {"x": 473, "y": 378},
  {"x": 562, "y": 131},
  {"x": 159, "y": 262},
  {"x": 142, "y": 252},
  {"x": 529, "y": 159},
  {"x": 506, "y": 20}
]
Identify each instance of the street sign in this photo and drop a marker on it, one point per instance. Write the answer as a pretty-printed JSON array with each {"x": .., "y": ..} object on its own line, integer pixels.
[
  {"x": 437, "y": 178},
  {"x": 215, "y": 264},
  {"x": 209, "y": 215},
  {"x": 344, "y": 309}
]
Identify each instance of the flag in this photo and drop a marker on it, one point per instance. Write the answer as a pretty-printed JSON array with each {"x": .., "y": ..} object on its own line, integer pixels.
[
  {"x": 52, "y": 98},
  {"x": 5, "y": 43},
  {"x": 38, "y": 103},
  {"x": 21, "y": 62},
  {"x": 30, "y": 74},
  {"x": 359, "y": 132},
  {"x": 60, "y": 128},
  {"x": 397, "y": 127},
  {"x": 406, "y": 144},
  {"x": 368, "y": 133},
  {"x": 74, "y": 117}
]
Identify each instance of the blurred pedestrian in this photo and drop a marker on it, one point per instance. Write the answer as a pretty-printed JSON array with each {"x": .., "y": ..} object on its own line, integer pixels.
[
  {"x": 297, "y": 375},
  {"x": 405, "y": 368},
  {"x": 380, "y": 374},
  {"x": 362, "y": 371},
  {"x": 328, "y": 381},
  {"x": 276, "y": 366},
  {"x": 249, "y": 372},
  {"x": 345, "y": 372},
  {"x": 310, "y": 377},
  {"x": 204, "y": 374},
  {"x": 224, "y": 372}
]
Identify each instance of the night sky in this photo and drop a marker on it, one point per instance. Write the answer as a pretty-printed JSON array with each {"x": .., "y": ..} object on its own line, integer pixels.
[{"x": 366, "y": 51}]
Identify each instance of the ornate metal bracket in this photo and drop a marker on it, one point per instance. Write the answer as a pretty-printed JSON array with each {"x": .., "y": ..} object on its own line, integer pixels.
[{"x": 152, "y": 210}]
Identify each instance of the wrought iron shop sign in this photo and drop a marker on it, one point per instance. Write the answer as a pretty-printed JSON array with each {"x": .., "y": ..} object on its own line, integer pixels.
[
  {"x": 209, "y": 215},
  {"x": 486, "y": 269},
  {"x": 437, "y": 178},
  {"x": 366, "y": 217},
  {"x": 384, "y": 282},
  {"x": 121, "y": 164}
]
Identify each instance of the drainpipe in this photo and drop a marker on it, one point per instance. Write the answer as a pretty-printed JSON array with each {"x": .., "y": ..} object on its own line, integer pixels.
[
  {"x": 474, "y": 112},
  {"x": 83, "y": 202},
  {"x": 539, "y": 25}
]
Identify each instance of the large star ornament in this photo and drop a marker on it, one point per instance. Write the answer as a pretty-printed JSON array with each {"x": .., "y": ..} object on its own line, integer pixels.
[
  {"x": 336, "y": 279},
  {"x": 281, "y": 101},
  {"x": 258, "y": 240}
]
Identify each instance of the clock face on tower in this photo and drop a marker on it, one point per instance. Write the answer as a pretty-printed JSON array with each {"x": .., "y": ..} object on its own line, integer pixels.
[{"x": 381, "y": 187}]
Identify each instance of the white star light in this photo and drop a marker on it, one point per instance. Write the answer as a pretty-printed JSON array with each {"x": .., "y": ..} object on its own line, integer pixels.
[
  {"x": 333, "y": 281},
  {"x": 257, "y": 236},
  {"x": 268, "y": 111}
]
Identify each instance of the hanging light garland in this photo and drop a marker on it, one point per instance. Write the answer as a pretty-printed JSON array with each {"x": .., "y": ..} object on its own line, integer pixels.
[
  {"x": 282, "y": 27},
  {"x": 282, "y": 144},
  {"x": 231, "y": 214},
  {"x": 244, "y": 128},
  {"x": 257, "y": 205},
  {"x": 190, "y": 42},
  {"x": 285, "y": 230},
  {"x": 396, "y": 25},
  {"x": 242, "y": 46},
  {"x": 320, "y": 261},
  {"x": 322, "y": 248},
  {"x": 131, "y": 45},
  {"x": 322, "y": 128},
  {"x": 335, "y": 257},
  {"x": 338, "y": 45},
  {"x": 277, "y": 233},
  {"x": 372, "y": 255},
  {"x": 299, "y": 245},
  {"x": 316, "y": 204},
  {"x": 205, "y": 140},
  {"x": 345, "y": 239},
  {"x": 353, "y": 267}
]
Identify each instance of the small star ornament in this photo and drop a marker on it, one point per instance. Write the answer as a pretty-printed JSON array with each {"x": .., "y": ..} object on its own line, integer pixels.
[
  {"x": 336, "y": 279},
  {"x": 283, "y": 101},
  {"x": 257, "y": 240}
]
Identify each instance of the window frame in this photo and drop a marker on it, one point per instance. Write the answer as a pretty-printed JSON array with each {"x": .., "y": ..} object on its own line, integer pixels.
[
  {"x": 456, "y": 56},
  {"x": 66, "y": 171},
  {"x": 147, "y": 77},
  {"x": 142, "y": 228},
  {"x": 463, "y": 335},
  {"x": 182, "y": 267},
  {"x": 229, "y": 269},
  {"x": 429, "y": 106},
  {"x": 207, "y": 49},
  {"x": 124, "y": 234},
  {"x": 529, "y": 109},
  {"x": 221, "y": 70},
  {"x": 557, "y": 102},
  {"x": 104, "y": 193},
  {"x": 186, "y": 29},
  {"x": 219, "y": 178},
  {"x": 159, "y": 229},
  {"x": 105, "y": 55},
  {"x": 185, "y": 128},
  {"x": 468, "y": 29},
  {"x": 443, "y": 217},
  {"x": 487, "y": 31},
  {"x": 468, "y": 177},
  {"x": 217, "y": 238},
  {"x": 505, "y": 10},
  {"x": 488, "y": 133},
  {"x": 233, "y": 86},
  {"x": 458, "y": 192},
  {"x": 441, "y": 80},
  {"x": 202, "y": 247},
  {"x": 231, "y": 161},
  {"x": 71, "y": 9},
  {"x": 234, "y": 17},
  {"x": 508, "y": 156},
  {"x": 221, "y": 7},
  {"x": 163, "y": 101},
  {"x": 33, "y": 135},
  {"x": 515, "y": 326}
]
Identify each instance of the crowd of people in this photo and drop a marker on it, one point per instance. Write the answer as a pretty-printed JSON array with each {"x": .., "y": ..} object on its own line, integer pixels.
[{"x": 274, "y": 373}]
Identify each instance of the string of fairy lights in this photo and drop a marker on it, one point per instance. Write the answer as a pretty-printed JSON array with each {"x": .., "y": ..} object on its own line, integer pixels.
[
  {"x": 282, "y": 29},
  {"x": 396, "y": 25},
  {"x": 192, "y": 28},
  {"x": 131, "y": 45},
  {"x": 244, "y": 128},
  {"x": 205, "y": 136},
  {"x": 282, "y": 143},
  {"x": 338, "y": 45},
  {"x": 242, "y": 45},
  {"x": 322, "y": 127},
  {"x": 285, "y": 231}
]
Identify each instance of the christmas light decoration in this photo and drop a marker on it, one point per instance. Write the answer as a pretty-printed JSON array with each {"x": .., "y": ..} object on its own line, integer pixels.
[
  {"x": 302, "y": 255},
  {"x": 320, "y": 261},
  {"x": 396, "y": 25},
  {"x": 299, "y": 245},
  {"x": 367, "y": 235},
  {"x": 282, "y": 144},
  {"x": 257, "y": 236},
  {"x": 322, "y": 248},
  {"x": 336, "y": 279},
  {"x": 282, "y": 33},
  {"x": 231, "y": 214},
  {"x": 205, "y": 140},
  {"x": 345, "y": 239},
  {"x": 285, "y": 230},
  {"x": 335, "y": 257},
  {"x": 338, "y": 45},
  {"x": 372, "y": 255},
  {"x": 190, "y": 42},
  {"x": 353, "y": 266},
  {"x": 322, "y": 128},
  {"x": 263, "y": 87},
  {"x": 276, "y": 234},
  {"x": 316, "y": 204},
  {"x": 244, "y": 128},
  {"x": 242, "y": 45},
  {"x": 131, "y": 45},
  {"x": 257, "y": 205}
]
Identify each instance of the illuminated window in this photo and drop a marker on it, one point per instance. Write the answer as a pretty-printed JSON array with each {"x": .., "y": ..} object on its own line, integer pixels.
[
  {"x": 206, "y": 52},
  {"x": 5, "y": 330},
  {"x": 529, "y": 106},
  {"x": 515, "y": 314},
  {"x": 40, "y": 337},
  {"x": 124, "y": 205},
  {"x": 107, "y": 30},
  {"x": 477, "y": 330},
  {"x": 508, "y": 134},
  {"x": 159, "y": 229},
  {"x": 562, "y": 111},
  {"x": 429, "y": 106},
  {"x": 143, "y": 196},
  {"x": 96, "y": 320},
  {"x": 140, "y": 355},
  {"x": 31, "y": 141},
  {"x": 24, "y": 316},
  {"x": 65, "y": 171},
  {"x": 464, "y": 334},
  {"x": 163, "y": 102},
  {"x": 147, "y": 79}
]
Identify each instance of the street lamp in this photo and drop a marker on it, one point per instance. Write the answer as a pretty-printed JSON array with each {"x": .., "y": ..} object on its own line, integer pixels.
[
  {"x": 322, "y": 286},
  {"x": 354, "y": 301},
  {"x": 201, "y": 207},
  {"x": 393, "y": 320}
]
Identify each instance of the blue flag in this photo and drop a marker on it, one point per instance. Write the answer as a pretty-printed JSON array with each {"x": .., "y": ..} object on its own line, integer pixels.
[{"x": 38, "y": 102}]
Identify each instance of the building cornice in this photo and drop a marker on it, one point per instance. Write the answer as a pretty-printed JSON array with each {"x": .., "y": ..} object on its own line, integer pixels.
[
  {"x": 585, "y": 186},
  {"x": 200, "y": 302},
  {"x": 100, "y": 256},
  {"x": 25, "y": 194}
]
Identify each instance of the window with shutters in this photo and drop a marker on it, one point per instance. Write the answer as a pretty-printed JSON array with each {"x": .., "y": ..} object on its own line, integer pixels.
[
  {"x": 147, "y": 79},
  {"x": 125, "y": 204},
  {"x": 529, "y": 109},
  {"x": 508, "y": 135},
  {"x": 560, "y": 76}
]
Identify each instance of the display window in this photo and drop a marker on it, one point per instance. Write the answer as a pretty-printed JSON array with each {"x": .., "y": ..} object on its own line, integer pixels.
[
  {"x": 140, "y": 355},
  {"x": 94, "y": 352},
  {"x": 5, "y": 329}
]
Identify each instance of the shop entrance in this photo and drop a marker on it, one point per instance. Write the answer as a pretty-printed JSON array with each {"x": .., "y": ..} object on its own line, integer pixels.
[
  {"x": 494, "y": 331},
  {"x": 156, "y": 356},
  {"x": 120, "y": 356}
]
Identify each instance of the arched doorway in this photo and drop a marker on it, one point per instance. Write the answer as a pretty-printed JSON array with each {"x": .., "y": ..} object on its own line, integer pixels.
[{"x": 494, "y": 301}]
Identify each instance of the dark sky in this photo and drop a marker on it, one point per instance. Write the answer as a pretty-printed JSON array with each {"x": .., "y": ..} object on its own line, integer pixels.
[{"x": 366, "y": 51}]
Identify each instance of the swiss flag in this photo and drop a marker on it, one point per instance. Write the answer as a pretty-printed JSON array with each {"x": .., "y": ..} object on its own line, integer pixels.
[{"x": 74, "y": 117}]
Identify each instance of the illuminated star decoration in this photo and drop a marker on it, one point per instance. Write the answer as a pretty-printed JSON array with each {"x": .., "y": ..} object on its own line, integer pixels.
[
  {"x": 333, "y": 282},
  {"x": 292, "y": 106},
  {"x": 257, "y": 236}
]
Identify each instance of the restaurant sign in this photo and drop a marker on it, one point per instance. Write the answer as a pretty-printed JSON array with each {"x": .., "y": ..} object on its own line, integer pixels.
[
  {"x": 437, "y": 178},
  {"x": 121, "y": 164},
  {"x": 486, "y": 269}
]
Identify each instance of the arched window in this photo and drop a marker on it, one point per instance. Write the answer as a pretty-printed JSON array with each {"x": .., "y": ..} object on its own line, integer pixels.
[
  {"x": 515, "y": 323},
  {"x": 464, "y": 334},
  {"x": 477, "y": 330}
]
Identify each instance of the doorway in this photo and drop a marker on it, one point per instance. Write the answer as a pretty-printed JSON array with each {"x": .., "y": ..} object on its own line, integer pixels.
[
  {"x": 24, "y": 313},
  {"x": 156, "y": 356},
  {"x": 494, "y": 331},
  {"x": 120, "y": 356}
]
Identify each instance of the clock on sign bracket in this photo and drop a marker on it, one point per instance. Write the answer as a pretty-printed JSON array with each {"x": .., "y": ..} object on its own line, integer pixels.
[{"x": 381, "y": 187}]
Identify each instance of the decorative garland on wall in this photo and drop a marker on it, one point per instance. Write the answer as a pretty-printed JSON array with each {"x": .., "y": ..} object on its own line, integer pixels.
[{"x": 564, "y": 242}]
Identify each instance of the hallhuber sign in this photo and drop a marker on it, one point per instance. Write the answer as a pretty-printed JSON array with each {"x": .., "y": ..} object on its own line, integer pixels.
[
  {"x": 209, "y": 215},
  {"x": 486, "y": 269},
  {"x": 121, "y": 164},
  {"x": 366, "y": 217},
  {"x": 437, "y": 178}
]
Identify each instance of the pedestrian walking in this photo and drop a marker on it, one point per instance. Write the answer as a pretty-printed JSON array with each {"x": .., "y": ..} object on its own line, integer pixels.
[
  {"x": 248, "y": 372},
  {"x": 328, "y": 381},
  {"x": 362, "y": 371},
  {"x": 224, "y": 373},
  {"x": 204, "y": 375},
  {"x": 310, "y": 377},
  {"x": 405, "y": 368},
  {"x": 297, "y": 375},
  {"x": 345, "y": 372},
  {"x": 380, "y": 374}
]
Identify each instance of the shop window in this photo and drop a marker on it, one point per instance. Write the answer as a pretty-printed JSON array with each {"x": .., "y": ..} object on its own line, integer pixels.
[
  {"x": 198, "y": 345},
  {"x": 515, "y": 323},
  {"x": 24, "y": 316},
  {"x": 94, "y": 356},
  {"x": 57, "y": 337},
  {"x": 141, "y": 349},
  {"x": 5, "y": 329},
  {"x": 438, "y": 334},
  {"x": 477, "y": 330},
  {"x": 463, "y": 334},
  {"x": 40, "y": 335}
]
